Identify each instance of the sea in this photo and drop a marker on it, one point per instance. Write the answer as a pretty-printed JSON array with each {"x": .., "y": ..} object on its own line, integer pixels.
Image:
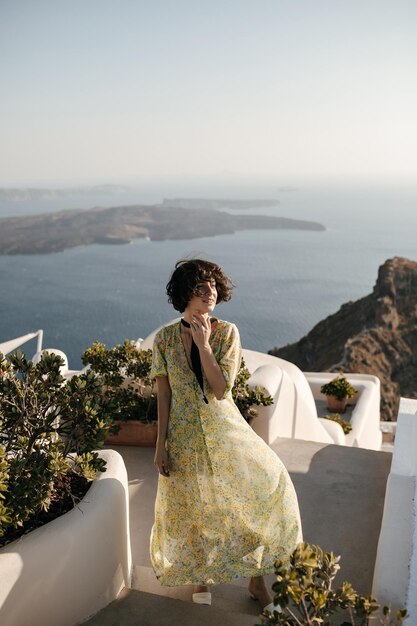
[{"x": 285, "y": 281}]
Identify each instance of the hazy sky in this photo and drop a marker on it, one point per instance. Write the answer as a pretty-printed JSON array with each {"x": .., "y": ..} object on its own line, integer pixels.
[{"x": 223, "y": 90}]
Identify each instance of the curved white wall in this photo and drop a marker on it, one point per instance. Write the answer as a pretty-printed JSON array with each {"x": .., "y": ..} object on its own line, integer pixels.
[
  {"x": 365, "y": 419},
  {"x": 294, "y": 412},
  {"x": 395, "y": 574},
  {"x": 69, "y": 569}
]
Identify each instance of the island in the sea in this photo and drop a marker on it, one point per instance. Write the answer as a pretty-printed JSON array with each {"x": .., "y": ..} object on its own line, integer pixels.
[
  {"x": 54, "y": 232},
  {"x": 34, "y": 194},
  {"x": 219, "y": 203}
]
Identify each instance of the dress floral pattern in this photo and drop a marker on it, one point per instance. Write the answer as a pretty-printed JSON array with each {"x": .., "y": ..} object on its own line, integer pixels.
[{"x": 228, "y": 509}]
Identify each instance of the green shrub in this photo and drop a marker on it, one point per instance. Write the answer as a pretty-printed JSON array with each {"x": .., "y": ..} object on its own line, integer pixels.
[
  {"x": 247, "y": 399},
  {"x": 124, "y": 372},
  {"x": 339, "y": 387},
  {"x": 49, "y": 434},
  {"x": 304, "y": 591},
  {"x": 124, "y": 375},
  {"x": 335, "y": 417}
]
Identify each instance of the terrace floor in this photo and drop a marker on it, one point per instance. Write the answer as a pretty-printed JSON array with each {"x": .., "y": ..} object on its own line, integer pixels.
[{"x": 341, "y": 496}]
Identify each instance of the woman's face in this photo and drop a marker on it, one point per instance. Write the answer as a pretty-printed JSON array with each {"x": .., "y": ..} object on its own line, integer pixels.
[{"x": 204, "y": 298}]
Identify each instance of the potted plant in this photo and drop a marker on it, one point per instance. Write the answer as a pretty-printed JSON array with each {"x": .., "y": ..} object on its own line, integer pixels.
[
  {"x": 335, "y": 417},
  {"x": 338, "y": 392},
  {"x": 247, "y": 399},
  {"x": 50, "y": 430},
  {"x": 305, "y": 594},
  {"x": 55, "y": 487},
  {"x": 131, "y": 395}
]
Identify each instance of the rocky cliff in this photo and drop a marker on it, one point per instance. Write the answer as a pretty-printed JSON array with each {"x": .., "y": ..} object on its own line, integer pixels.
[{"x": 374, "y": 335}]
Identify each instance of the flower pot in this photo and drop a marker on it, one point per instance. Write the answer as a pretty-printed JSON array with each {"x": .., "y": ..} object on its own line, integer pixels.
[
  {"x": 335, "y": 405},
  {"x": 72, "y": 567},
  {"x": 134, "y": 433}
]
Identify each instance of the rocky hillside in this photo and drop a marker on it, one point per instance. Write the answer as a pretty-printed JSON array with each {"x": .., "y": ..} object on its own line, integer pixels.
[{"x": 374, "y": 335}]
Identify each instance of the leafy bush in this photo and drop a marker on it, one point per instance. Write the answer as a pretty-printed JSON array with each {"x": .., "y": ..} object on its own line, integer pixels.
[
  {"x": 124, "y": 375},
  {"x": 124, "y": 371},
  {"x": 50, "y": 430},
  {"x": 304, "y": 592},
  {"x": 247, "y": 399},
  {"x": 335, "y": 417},
  {"x": 339, "y": 387}
]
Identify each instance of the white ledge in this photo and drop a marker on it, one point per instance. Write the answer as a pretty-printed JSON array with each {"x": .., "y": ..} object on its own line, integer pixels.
[
  {"x": 395, "y": 575},
  {"x": 69, "y": 569}
]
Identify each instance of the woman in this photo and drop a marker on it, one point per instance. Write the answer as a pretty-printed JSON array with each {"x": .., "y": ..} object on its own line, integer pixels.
[{"x": 226, "y": 507}]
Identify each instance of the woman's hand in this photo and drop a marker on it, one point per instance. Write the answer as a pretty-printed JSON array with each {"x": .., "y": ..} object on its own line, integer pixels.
[
  {"x": 161, "y": 460},
  {"x": 200, "y": 327}
]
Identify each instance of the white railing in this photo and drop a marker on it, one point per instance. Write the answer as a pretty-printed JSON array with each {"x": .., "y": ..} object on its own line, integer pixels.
[{"x": 12, "y": 344}]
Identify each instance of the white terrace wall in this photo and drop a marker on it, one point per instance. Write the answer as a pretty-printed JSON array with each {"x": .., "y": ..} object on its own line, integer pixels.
[
  {"x": 365, "y": 419},
  {"x": 66, "y": 571},
  {"x": 395, "y": 576}
]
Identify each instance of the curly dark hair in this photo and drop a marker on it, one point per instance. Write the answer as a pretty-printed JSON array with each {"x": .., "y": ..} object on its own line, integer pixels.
[{"x": 188, "y": 273}]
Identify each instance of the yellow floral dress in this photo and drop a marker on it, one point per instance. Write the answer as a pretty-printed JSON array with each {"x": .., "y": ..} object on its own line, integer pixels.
[{"x": 228, "y": 509}]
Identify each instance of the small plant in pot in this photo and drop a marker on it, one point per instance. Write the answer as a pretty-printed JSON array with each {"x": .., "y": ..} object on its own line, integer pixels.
[
  {"x": 338, "y": 392},
  {"x": 247, "y": 399},
  {"x": 50, "y": 430},
  {"x": 124, "y": 374},
  {"x": 335, "y": 417}
]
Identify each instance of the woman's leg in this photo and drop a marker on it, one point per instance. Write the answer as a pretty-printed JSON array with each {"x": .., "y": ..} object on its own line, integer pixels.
[
  {"x": 257, "y": 589},
  {"x": 202, "y": 594},
  {"x": 200, "y": 588}
]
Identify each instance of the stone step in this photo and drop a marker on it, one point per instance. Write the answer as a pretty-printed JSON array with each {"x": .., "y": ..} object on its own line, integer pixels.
[
  {"x": 139, "y": 608},
  {"x": 232, "y": 597}
]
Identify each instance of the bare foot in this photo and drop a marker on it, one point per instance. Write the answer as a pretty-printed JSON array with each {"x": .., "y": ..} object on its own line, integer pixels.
[{"x": 257, "y": 588}]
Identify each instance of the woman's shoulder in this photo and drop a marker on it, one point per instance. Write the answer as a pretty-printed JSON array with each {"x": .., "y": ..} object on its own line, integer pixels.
[
  {"x": 226, "y": 328},
  {"x": 222, "y": 323},
  {"x": 164, "y": 332}
]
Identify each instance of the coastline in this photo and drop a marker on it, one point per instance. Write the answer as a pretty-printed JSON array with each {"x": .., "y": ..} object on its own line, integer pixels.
[{"x": 47, "y": 233}]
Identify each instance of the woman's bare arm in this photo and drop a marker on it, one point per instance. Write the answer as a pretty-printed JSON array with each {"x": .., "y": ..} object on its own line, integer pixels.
[
  {"x": 164, "y": 394},
  {"x": 212, "y": 371}
]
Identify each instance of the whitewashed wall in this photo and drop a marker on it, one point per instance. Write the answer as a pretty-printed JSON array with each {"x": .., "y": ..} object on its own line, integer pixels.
[
  {"x": 395, "y": 576},
  {"x": 69, "y": 569}
]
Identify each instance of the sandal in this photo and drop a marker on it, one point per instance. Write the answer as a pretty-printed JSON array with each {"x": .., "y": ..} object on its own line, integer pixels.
[
  {"x": 271, "y": 607},
  {"x": 202, "y": 597}
]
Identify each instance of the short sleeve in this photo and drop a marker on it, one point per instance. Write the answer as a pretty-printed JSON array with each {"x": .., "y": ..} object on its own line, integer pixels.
[
  {"x": 159, "y": 364},
  {"x": 230, "y": 357}
]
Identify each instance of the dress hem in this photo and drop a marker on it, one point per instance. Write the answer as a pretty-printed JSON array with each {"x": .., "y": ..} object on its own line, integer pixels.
[{"x": 219, "y": 579}]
